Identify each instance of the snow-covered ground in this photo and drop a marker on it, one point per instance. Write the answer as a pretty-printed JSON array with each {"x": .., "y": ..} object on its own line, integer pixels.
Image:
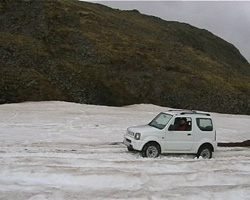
[{"x": 58, "y": 150}]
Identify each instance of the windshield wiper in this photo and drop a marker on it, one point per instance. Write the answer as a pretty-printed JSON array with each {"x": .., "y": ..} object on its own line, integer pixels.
[{"x": 153, "y": 126}]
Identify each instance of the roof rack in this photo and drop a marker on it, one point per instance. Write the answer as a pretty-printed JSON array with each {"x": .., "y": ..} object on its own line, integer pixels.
[
  {"x": 188, "y": 112},
  {"x": 172, "y": 110},
  {"x": 194, "y": 112},
  {"x": 179, "y": 110},
  {"x": 184, "y": 112}
]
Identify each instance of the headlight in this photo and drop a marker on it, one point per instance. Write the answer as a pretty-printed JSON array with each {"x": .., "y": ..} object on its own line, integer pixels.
[{"x": 137, "y": 136}]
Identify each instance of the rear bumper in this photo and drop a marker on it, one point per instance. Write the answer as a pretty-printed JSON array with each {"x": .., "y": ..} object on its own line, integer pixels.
[{"x": 215, "y": 144}]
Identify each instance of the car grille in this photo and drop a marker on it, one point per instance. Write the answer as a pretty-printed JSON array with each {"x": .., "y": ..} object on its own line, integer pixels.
[{"x": 128, "y": 140}]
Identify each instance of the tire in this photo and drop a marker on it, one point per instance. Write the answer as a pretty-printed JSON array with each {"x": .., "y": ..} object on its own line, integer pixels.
[
  {"x": 151, "y": 150},
  {"x": 205, "y": 152},
  {"x": 130, "y": 149}
]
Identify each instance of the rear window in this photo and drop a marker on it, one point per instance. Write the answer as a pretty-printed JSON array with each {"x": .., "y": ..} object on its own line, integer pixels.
[{"x": 204, "y": 124}]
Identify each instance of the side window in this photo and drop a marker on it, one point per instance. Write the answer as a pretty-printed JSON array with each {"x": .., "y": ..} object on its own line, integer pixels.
[
  {"x": 181, "y": 124},
  {"x": 204, "y": 124}
]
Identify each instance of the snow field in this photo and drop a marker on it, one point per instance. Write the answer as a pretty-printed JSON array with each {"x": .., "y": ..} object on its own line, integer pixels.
[{"x": 58, "y": 150}]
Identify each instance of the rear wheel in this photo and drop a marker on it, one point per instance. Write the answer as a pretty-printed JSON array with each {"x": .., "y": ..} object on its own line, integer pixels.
[
  {"x": 205, "y": 152},
  {"x": 151, "y": 150}
]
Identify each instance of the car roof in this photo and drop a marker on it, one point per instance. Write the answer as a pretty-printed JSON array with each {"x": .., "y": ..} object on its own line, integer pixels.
[{"x": 187, "y": 112}]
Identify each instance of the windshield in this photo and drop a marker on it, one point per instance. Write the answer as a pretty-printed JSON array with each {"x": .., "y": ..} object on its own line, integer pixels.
[{"x": 160, "y": 121}]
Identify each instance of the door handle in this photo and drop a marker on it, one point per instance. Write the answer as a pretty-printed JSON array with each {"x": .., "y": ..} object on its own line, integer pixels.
[{"x": 189, "y": 134}]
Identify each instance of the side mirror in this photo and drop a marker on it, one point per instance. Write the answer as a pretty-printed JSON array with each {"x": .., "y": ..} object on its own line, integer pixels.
[{"x": 171, "y": 127}]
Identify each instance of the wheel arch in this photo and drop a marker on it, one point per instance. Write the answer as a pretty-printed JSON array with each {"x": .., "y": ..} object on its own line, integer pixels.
[
  {"x": 154, "y": 142},
  {"x": 206, "y": 144}
]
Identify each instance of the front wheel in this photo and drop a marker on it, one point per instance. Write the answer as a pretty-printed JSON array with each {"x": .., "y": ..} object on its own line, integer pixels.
[
  {"x": 130, "y": 148},
  {"x": 205, "y": 152},
  {"x": 151, "y": 150}
]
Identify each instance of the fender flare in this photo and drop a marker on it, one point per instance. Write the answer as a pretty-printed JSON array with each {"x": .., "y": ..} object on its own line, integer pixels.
[
  {"x": 154, "y": 140},
  {"x": 205, "y": 142}
]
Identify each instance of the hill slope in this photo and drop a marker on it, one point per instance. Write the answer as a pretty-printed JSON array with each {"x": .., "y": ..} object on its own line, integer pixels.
[{"x": 89, "y": 53}]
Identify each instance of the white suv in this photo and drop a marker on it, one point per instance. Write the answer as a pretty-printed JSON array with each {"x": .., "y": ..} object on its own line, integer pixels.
[{"x": 174, "y": 131}]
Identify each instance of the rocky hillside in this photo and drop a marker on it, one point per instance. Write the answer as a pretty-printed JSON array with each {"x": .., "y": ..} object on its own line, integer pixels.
[{"x": 89, "y": 53}]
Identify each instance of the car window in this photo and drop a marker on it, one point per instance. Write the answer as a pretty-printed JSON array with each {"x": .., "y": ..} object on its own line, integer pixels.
[
  {"x": 181, "y": 124},
  {"x": 204, "y": 124}
]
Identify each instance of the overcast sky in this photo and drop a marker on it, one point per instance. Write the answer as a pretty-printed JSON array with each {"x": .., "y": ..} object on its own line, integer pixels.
[{"x": 229, "y": 20}]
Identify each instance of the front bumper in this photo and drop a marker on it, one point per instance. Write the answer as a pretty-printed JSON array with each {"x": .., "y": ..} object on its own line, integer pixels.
[{"x": 132, "y": 143}]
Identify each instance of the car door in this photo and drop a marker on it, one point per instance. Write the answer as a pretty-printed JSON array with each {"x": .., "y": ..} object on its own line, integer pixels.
[{"x": 179, "y": 137}]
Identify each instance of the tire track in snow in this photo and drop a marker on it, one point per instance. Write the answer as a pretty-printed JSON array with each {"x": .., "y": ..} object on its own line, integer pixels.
[{"x": 7, "y": 116}]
